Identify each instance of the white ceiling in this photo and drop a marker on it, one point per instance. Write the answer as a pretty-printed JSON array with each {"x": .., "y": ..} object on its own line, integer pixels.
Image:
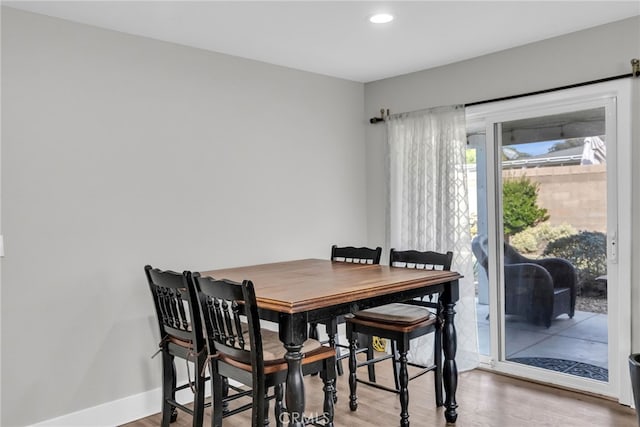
[{"x": 335, "y": 38}]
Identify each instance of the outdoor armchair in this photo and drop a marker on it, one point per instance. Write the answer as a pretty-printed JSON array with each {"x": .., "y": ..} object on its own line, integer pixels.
[{"x": 538, "y": 289}]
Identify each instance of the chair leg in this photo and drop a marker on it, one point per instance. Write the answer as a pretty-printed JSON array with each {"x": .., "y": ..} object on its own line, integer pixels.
[
  {"x": 404, "y": 390},
  {"x": 396, "y": 364},
  {"x": 328, "y": 375},
  {"x": 336, "y": 344},
  {"x": 313, "y": 331},
  {"x": 266, "y": 409},
  {"x": 198, "y": 398},
  {"x": 332, "y": 332},
  {"x": 313, "y": 334},
  {"x": 217, "y": 393},
  {"x": 371, "y": 367},
  {"x": 279, "y": 407},
  {"x": 437, "y": 360},
  {"x": 169, "y": 412},
  {"x": 258, "y": 394},
  {"x": 225, "y": 393},
  {"x": 353, "y": 346}
]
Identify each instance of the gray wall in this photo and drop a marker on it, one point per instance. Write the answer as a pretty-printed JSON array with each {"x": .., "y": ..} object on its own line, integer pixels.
[
  {"x": 119, "y": 151},
  {"x": 582, "y": 56}
]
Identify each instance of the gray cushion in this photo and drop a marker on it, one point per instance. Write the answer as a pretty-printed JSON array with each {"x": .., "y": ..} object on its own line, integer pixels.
[
  {"x": 273, "y": 350},
  {"x": 399, "y": 313}
]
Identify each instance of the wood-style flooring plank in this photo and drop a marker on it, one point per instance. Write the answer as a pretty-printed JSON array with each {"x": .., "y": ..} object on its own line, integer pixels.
[{"x": 485, "y": 399}]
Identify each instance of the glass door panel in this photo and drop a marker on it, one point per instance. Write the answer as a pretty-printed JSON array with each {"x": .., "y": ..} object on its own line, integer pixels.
[
  {"x": 554, "y": 225},
  {"x": 477, "y": 184},
  {"x": 551, "y": 175}
]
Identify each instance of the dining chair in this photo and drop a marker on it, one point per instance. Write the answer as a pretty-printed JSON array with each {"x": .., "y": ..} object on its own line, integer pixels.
[
  {"x": 350, "y": 254},
  {"x": 180, "y": 336},
  {"x": 400, "y": 323},
  {"x": 241, "y": 350}
]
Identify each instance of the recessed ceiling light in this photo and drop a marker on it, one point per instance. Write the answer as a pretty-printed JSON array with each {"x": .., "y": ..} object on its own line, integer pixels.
[{"x": 381, "y": 18}]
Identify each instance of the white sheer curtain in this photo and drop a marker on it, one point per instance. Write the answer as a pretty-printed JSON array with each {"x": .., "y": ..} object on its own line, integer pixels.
[{"x": 428, "y": 208}]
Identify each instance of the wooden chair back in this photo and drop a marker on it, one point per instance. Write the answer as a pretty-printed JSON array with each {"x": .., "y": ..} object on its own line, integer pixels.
[
  {"x": 176, "y": 309},
  {"x": 356, "y": 255},
  {"x": 231, "y": 321},
  {"x": 427, "y": 260}
]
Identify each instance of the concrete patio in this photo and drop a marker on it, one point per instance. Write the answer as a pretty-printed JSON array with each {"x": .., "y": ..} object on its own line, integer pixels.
[{"x": 581, "y": 339}]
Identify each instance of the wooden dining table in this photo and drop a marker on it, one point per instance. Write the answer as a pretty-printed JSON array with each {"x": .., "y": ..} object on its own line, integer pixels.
[{"x": 295, "y": 293}]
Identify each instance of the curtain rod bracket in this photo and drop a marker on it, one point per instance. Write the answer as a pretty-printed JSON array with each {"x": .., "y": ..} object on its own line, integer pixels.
[
  {"x": 383, "y": 116},
  {"x": 635, "y": 67}
]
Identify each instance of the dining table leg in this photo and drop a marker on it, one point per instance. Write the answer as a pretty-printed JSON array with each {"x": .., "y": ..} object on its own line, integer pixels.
[
  {"x": 449, "y": 345},
  {"x": 293, "y": 333}
]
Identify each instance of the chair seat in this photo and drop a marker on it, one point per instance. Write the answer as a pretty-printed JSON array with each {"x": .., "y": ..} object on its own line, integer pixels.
[
  {"x": 397, "y": 313},
  {"x": 179, "y": 342},
  {"x": 273, "y": 350},
  {"x": 311, "y": 354}
]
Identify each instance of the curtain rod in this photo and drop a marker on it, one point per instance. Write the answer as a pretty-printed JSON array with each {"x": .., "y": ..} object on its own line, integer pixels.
[{"x": 635, "y": 66}]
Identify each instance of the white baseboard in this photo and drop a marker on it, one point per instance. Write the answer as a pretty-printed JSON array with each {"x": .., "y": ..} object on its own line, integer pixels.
[
  {"x": 133, "y": 407},
  {"x": 119, "y": 411}
]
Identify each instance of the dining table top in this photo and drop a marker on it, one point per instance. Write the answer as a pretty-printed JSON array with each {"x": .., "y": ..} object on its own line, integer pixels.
[{"x": 309, "y": 284}]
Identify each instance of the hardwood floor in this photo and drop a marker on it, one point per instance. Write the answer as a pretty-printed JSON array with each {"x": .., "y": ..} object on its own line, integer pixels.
[{"x": 485, "y": 399}]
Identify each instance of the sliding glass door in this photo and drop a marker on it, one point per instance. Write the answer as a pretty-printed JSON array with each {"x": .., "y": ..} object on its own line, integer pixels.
[{"x": 551, "y": 270}]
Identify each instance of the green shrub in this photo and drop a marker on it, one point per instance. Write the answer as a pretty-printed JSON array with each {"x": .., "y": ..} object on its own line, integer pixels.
[
  {"x": 525, "y": 242},
  {"x": 587, "y": 251},
  {"x": 520, "y": 205},
  {"x": 532, "y": 241}
]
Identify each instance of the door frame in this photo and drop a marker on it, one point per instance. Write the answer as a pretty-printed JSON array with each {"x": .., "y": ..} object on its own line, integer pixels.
[{"x": 615, "y": 96}]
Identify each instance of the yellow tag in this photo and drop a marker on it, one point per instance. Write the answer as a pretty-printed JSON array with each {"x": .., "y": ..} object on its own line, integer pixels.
[{"x": 379, "y": 344}]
